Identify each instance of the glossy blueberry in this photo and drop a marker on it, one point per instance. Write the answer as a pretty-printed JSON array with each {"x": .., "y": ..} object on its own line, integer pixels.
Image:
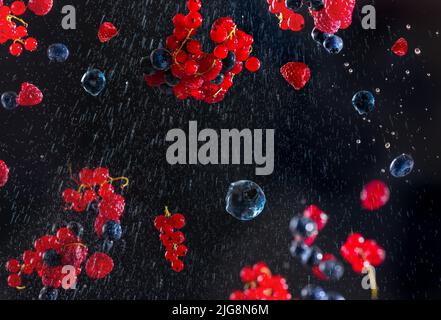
[
  {"x": 315, "y": 257},
  {"x": 146, "y": 66},
  {"x": 245, "y": 200},
  {"x": 161, "y": 59},
  {"x": 9, "y": 100},
  {"x": 219, "y": 79},
  {"x": 332, "y": 269},
  {"x": 51, "y": 258},
  {"x": 311, "y": 292},
  {"x": 301, "y": 251},
  {"x": 302, "y": 227},
  {"x": 315, "y": 5},
  {"x": 170, "y": 79},
  {"x": 333, "y": 44},
  {"x": 112, "y": 230},
  {"x": 58, "y": 52},
  {"x": 294, "y": 4},
  {"x": 363, "y": 102},
  {"x": 76, "y": 228},
  {"x": 93, "y": 82},
  {"x": 401, "y": 166},
  {"x": 229, "y": 62},
  {"x": 335, "y": 296},
  {"x": 319, "y": 36},
  {"x": 48, "y": 294}
]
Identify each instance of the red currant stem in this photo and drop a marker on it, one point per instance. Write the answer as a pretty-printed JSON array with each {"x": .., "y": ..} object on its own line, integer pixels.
[
  {"x": 167, "y": 212},
  {"x": 232, "y": 33},
  {"x": 75, "y": 244},
  {"x": 19, "y": 41},
  {"x": 218, "y": 91},
  {"x": 373, "y": 282},
  {"x": 211, "y": 67},
  {"x": 125, "y": 179},
  {"x": 280, "y": 17},
  {"x": 82, "y": 186},
  {"x": 20, "y": 288},
  {"x": 10, "y": 17},
  {"x": 182, "y": 45},
  {"x": 69, "y": 168}
]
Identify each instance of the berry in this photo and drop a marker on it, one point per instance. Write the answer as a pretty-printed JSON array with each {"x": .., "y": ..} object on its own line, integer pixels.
[
  {"x": 323, "y": 22},
  {"x": 245, "y": 200},
  {"x": 177, "y": 221},
  {"x": 181, "y": 250},
  {"x": 331, "y": 269},
  {"x": 400, "y": 47},
  {"x": 51, "y": 258},
  {"x": 296, "y": 73},
  {"x": 50, "y": 294},
  {"x": 296, "y": 22},
  {"x": 294, "y": 4},
  {"x": 194, "y": 5},
  {"x": 363, "y": 102},
  {"x": 58, "y": 52},
  {"x": 112, "y": 230},
  {"x": 31, "y": 44},
  {"x": 317, "y": 215},
  {"x": 161, "y": 59},
  {"x": 401, "y": 166},
  {"x": 177, "y": 265},
  {"x": 94, "y": 82},
  {"x": 193, "y": 20},
  {"x": 16, "y": 49},
  {"x": 374, "y": 195},
  {"x": 9, "y": 100},
  {"x": 14, "y": 281},
  {"x": 221, "y": 51},
  {"x": 29, "y": 95},
  {"x": 107, "y": 31},
  {"x": 40, "y": 7},
  {"x": 333, "y": 44},
  {"x": 301, "y": 251},
  {"x": 100, "y": 176},
  {"x": 18, "y": 8},
  {"x": 194, "y": 47},
  {"x": 219, "y": 79},
  {"x": 99, "y": 265},
  {"x": 302, "y": 227},
  {"x": 229, "y": 62},
  {"x": 339, "y": 9},
  {"x": 313, "y": 293},
  {"x": 218, "y": 34},
  {"x": 252, "y": 64},
  {"x": 13, "y": 266},
  {"x": 191, "y": 67}
]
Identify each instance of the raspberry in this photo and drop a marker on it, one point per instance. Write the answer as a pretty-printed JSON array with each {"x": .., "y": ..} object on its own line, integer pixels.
[
  {"x": 4, "y": 173},
  {"x": 40, "y": 7},
  {"x": 374, "y": 195},
  {"x": 324, "y": 23},
  {"x": 296, "y": 73},
  {"x": 400, "y": 47},
  {"x": 107, "y": 31},
  {"x": 99, "y": 265},
  {"x": 339, "y": 9},
  {"x": 29, "y": 95}
]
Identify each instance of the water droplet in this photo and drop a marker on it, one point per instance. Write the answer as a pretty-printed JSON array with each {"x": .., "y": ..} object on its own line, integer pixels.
[
  {"x": 408, "y": 27},
  {"x": 387, "y": 145},
  {"x": 93, "y": 81},
  {"x": 377, "y": 90},
  {"x": 401, "y": 166},
  {"x": 358, "y": 141},
  {"x": 417, "y": 51}
]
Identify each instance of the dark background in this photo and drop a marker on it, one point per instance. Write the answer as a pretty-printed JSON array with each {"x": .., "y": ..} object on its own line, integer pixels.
[{"x": 317, "y": 157}]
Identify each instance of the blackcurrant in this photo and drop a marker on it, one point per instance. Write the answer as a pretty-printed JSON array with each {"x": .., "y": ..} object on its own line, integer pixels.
[
  {"x": 229, "y": 62},
  {"x": 9, "y": 100},
  {"x": 294, "y": 4},
  {"x": 51, "y": 258},
  {"x": 302, "y": 227},
  {"x": 48, "y": 294},
  {"x": 301, "y": 251},
  {"x": 161, "y": 59},
  {"x": 332, "y": 269},
  {"x": 311, "y": 292},
  {"x": 112, "y": 230},
  {"x": 319, "y": 36},
  {"x": 219, "y": 79}
]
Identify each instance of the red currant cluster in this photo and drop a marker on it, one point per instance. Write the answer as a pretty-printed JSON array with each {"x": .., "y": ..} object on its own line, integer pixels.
[
  {"x": 260, "y": 284},
  {"x": 18, "y": 34},
  {"x": 305, "y": 229},
  {"x": 363, "y": 255},
  {"x": 50, "y": 254},
  {"x": 374, "y": 195},
  {"x": 171, "y": 239},
  {"x": 185, "y": 70},
  {"x": 288, "y": 18},
  {"x": 95, "y": 186}
]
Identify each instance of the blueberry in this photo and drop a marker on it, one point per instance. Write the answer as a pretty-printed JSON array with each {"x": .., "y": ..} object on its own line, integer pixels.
[
  {"x": 219, "y": 79},
  {"x": 76, "y": 228},
  {"x": 333, "y": 44},
  {"x": 319, "y": 36},
  {"x": 303, "y": 227},
  {"x": 363, "y": 102},
  {"x": 112, "y": 230},
  {"x": 51, "y": 258},
  {"x": 229, "y": 62},
  {"x": 401, "y": 166},
  {"x": 146, "y": 66},
  {"x": 315, "y": 5},
  {"x": 301, "y": 251},
  {"x": 245, "y": 200},
  {"x": 170, "y": 79},
  {"x": 311, "y": 292},
  {"x": 58, "y": 52},
  {"x": 107, "y": 245},
  {"x": 48, "y": 294},
  {"x": 315, "y": 257},
  {"x": 335, "y": 296},
  {"x": 332, "y": 269},
  {"x": 161, "y": 59},
  {"x": 9, "y": 100},
  {"x": 294, "y": 4},
  {"x": 93, "y": 81}
]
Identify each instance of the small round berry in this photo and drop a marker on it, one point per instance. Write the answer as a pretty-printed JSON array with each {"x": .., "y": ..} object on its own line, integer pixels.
[
  {"x": 160, "y": 222},
  {"x": 112, "y": 230},
  {"x": 178, "y": 237},
  {"x": 76, "y": 228},
  {"x": 15, "y": 49},
  {"x": 247, "y": 275},
  {"x": 161, "y": 59},
  {"x": 99, "y": 265},
  {"x": 313, "y": 293},
  {"x": 220, "y": 51},
  {"x": 58, "y": 52},
  {"x": 177, "y": 265},
  {"x": 14, "y": 281},
  {"x": 191, "y": 67},
  {"x": 21, "y": 32},
  {"x": 218, "y": 34},
  {"x": 194, "y": 47},
  {"x": 50, "y": 294},
  {"x": 31, "y": 44},
  {"x": 219, "y": 79},
  {"x": 9, "y": 100},
  {"x": 177, "y": 221},
  {"x": 18, "y": 8},
  {"x": 13, "y": 266},
  {"x": 229, "y": 62},
  {"x": 194, "y": 5},
  {"x": 51, "y": 258},
  {"x": 170, "y": 256},
  {"x": 181, "y": 250},
  {"x": 333, "y": 44},
  {"x": 193, "y": 20},
  {"x": 252, "y": 64}
]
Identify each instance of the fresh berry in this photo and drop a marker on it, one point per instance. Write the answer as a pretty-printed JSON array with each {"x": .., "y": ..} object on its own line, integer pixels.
[
  {"x": 374, "y": 195},
  {"x": 16, "y": 49},
  {"x": 400, "y": 47},
  {"x": 302, "y": 227},
  {"x": 333, "y": 44},
  {"x": 14, "y": 281},
  {"x": 9, "y": 100},
  {"x": 40, "y": 7},
  {"x": 99, "y": 265},
  {"x": 313, "y": 293},
  {"x": 296, "y": 73},
  {"x": 339, "y": 9},
  {"x": 13, "y": 266},
  {"x": 58, "y": 52},
  {"x": 50, "y": 294},
  {"x": 29, "y": 95},
  {"x": 18, "y": 8},
  {"x": 112, "y": 230},
  {"x": 293, "y": 4},
  {"x": 107, "y": 31},
  {"x": 161, "y": 59},
  {"x": 252, "y": 64}
]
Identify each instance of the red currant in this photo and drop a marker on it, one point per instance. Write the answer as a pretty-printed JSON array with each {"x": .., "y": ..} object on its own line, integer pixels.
[
  {"x": 18, "y": 8},
  {"x": 31, "y": 44},
  {"x": 252, "y": 64},
  {"x": 15, "y": 49}
]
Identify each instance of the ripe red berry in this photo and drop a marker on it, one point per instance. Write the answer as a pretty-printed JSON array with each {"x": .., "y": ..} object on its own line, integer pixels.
[
  {"x": 193, "y": 20},
  {"x": 99, "y": 265},
  {"x": 18, "y": 8},
  {"x": 15, "y": 49},
  {"x": 107, "y": 31},
  {"x": 296, "y": 22},
  {"x": 252, "y": 64},
  {"x": 400, "y": 47},
  {"x": 374, "y": 195},
  {"x": 247, "y": 274},
  {"x": 177, "y": 265},
  {"x": 170, "y": 256},
  {"x": 178, "y": 237},
  {"x": 194, "y": 5},
  {"x": 181, "y": 250},
  {"x": 296, "y": 73},
  {"x": 4, "y": 173},
  {"x": 106, "y": 190},
  {"x": 177, "y": 221},
  {"x": 40, "y": 7},
  {"x": 191, "y": 67},
  {"x": 194, "y": 47},
  {"x": 220, "y": 51},
  {"x": 160, "y": 222},
  {"x": 100, "y": 175},
  {"x": 218, "y": 34},
  {"x": 13, "y": 266},
  {"x": 14, "y": 281},
  {"x": 31, "y": 44},
  {"x": 29, "y": 95}
]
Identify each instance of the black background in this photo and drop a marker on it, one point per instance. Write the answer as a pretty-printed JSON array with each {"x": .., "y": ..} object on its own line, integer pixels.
[{"x": 317, "y": 157}]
